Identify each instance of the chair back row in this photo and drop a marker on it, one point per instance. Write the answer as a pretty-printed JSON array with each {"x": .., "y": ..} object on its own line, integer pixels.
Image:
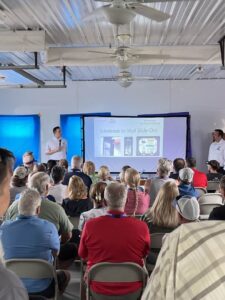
[
  {"x": 33, "y": 269},
  {"x": 208, "y": 202},
  {"x": 114, "y": 273}
]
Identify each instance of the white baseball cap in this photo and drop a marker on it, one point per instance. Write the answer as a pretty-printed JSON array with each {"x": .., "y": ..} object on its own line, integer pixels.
[
  {"x": 188, "y": 207},
  {"x": 186, "y": 174}
]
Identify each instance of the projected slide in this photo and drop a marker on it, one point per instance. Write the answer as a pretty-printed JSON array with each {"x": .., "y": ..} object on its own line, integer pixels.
[
  {"x": 138, "y": 142},
  {"x": 121, "y": 137}
]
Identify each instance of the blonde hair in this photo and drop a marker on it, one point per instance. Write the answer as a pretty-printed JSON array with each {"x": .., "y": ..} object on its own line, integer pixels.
[
  {"x": 162, "y": 213},
  {"x": 132, "y": 179},
  {"x": 89, "y": 167},
  {"x": 76, "y": 188},
  {"x": 103, "y": 173},
  {"x": 97, "y": 193}
]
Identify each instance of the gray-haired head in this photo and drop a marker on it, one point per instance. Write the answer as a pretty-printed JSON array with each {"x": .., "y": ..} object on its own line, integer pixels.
[
  {"x": 76, "y": 162},
  {"x": 164, "y": 167},
  {"x": 39, "y": 181},
  {"x": 115, "y": 195},
  {"x": 29, "y": 202}
]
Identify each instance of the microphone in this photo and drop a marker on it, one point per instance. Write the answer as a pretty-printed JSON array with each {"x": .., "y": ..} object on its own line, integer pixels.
[{"x": 60, "y": 142}]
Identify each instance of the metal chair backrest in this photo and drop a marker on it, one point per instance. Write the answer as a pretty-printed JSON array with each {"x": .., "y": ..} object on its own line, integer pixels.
[
  {"x": 156, "y": 240},
  {"x": 200, "y": 190},
  {"x": 213, "y": 186},
  {"x": 33, "y": 269},
  {"x": 116, "y": 272},
  {"x": 206, "y": 209},
  {"x": 211, "y": 198},
  {"x": 208, "y": 202}
]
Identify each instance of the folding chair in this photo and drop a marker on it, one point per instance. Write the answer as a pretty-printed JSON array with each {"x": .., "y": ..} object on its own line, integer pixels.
[
  {"x": 208, "y": 202},
  {"x": 213, "y": 186},
  {"x": 156, "y": 245},
  {"x": 201, "y": 191},
  {"x": 33, "y": 269},
  {"x": 116, "y": 272}
]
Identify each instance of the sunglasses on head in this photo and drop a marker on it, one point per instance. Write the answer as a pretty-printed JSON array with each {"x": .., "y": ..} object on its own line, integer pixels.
[{"x": 29, "y": 162}]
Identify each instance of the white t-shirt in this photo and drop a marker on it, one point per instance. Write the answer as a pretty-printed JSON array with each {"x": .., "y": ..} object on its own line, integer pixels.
[
  {"x": 217, "y": 152},
  {"x": 91, "y": 214},
  {"x": 53, "y": 144},
  {"x": 59, "y": 192}
]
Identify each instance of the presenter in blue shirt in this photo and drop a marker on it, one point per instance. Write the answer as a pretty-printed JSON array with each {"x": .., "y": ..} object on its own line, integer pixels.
[{"x": 31, "y": 237}]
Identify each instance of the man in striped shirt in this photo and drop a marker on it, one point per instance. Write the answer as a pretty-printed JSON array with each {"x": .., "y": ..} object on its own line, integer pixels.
[{"x": 191, "y": 264}]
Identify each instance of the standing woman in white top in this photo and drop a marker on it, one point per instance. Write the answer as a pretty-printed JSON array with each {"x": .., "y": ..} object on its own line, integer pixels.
[
  {"x": 217, "y": 149},
  {"x": 56, "y": 147}
]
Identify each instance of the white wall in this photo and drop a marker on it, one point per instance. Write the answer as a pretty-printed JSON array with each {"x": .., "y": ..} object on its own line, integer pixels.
[{"x": 203, "y": 99}]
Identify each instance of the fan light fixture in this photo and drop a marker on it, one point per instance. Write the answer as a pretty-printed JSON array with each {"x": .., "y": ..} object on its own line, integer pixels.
[
  {"x": 124, "y": 83},
  {"x": 118, "y": 15},
  {"x": 123, "y": 37}
]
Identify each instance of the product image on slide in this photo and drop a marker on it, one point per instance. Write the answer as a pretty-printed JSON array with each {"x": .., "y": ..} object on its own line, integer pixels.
[
  {"x": 128, "y": 146},
  {"x": 147, "y": 146},
  {"x": 111, "y": 146}
]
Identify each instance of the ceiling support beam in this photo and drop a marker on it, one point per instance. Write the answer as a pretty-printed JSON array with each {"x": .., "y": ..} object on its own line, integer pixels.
[
  {"x": 64, "y": 75},
  {"x": 12, "y": 67},
  {"x": 20, "y": 69},
  {"x": 222, "y": 51},
  {"x": 30, "y": 77}
]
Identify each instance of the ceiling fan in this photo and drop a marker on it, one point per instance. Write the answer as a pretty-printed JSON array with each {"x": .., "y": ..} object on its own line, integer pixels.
[
  {"x": 124, "y": 56},
  {"x": 121, "y": 12}
]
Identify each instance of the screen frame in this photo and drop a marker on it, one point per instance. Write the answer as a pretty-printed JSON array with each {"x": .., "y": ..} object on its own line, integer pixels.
[{"x": 169, "y": 115}]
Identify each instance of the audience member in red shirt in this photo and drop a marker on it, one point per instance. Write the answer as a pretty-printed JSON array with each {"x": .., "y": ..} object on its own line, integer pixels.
[
  {"x": 200, "y": 178},
  {"x": 114, "y": 238}
]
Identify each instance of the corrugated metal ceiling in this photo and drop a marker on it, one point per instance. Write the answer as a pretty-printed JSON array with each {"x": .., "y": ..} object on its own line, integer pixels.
[{"x": 200, "y": 22}]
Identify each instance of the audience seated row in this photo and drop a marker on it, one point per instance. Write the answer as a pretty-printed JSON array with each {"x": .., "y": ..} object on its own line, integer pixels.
[{"x": 173, "y": 202}]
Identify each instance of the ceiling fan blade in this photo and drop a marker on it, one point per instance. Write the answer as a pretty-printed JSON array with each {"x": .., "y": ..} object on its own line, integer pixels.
[
  {"x": 152, "y": 56},
  {"x": 158, "y": 1},
  {"x": 98, "y": 12},
  {"x": 143, "y": 78},
  {"x": 149, "y": 12},
  {"x": 103, "y": 53}
]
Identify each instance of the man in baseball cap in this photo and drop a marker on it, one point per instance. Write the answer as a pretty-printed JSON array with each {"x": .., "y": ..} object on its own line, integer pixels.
[
  {"x": 188, "y": 208},
  {"x": 185, "y": 183}
]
